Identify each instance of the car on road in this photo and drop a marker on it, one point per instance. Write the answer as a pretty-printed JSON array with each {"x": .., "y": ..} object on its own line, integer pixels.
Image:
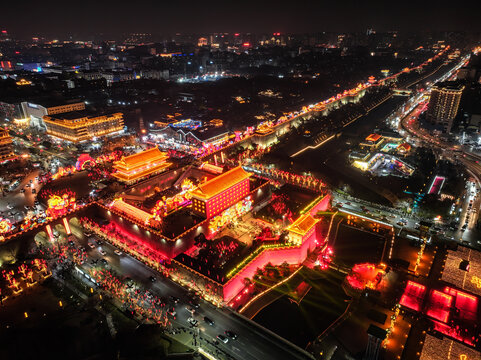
[
  {"x": 231, "y": 334},
  {"x": 222, "y": 338},
  {"x": 192, "y": 321},
  {"x": 400, "y": 223},
  {"x": 71, "y": 243},
  {"x": 91, "y": 245},
  {"x": 190, "y": 309},
  {"x": 174, "y": 299},
  {"x": 34, "y": 191},
  {"x": 152, "y": 278},
  {"x": 209, "y": 321},
  {"x": 194, "y": 304},
  {"x": 103, "y": 261},
  {"x": 118, "y": 252},
  {"x": 98, "y": 242},
  {"x": 102, "y": 251}
]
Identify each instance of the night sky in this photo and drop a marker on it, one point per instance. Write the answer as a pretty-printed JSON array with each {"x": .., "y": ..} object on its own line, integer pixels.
[{"x": 26, "y": 18}]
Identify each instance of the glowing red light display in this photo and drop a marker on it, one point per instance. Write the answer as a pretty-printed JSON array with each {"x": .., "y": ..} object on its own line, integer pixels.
[
  {"x": 413, "y": 296},
  {"x": 439, "y": 306}
]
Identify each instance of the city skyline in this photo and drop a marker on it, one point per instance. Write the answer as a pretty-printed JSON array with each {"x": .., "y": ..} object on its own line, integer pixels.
[{"x": 113, "y": 19}]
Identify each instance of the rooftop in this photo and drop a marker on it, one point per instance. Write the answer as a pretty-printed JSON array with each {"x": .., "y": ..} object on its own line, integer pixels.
[
  {"x": 449, "y": 85},
  {"x": 220, "y": 183},
  {"x": 48, "y": 103},
  {"x": 207, "y": 133},
  {"x": 405, "y": 146},
  {"x": 73, "y": 115},
  {"x": 4, "y": 133},
  {"x": 303, "y": 224},
  {"x": 373, "y": 137},
  {"x": 141, "y": 157}
]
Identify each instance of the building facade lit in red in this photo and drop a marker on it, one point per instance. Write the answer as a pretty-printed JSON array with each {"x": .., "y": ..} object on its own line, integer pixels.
[{"x": 221, "y": 192}]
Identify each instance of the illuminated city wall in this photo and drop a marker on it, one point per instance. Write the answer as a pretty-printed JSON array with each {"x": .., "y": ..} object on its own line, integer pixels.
[
  {"x": 322, "y": 205},
  {"x": 169, "y": 248},
  {"x": 291, "y": 255}
]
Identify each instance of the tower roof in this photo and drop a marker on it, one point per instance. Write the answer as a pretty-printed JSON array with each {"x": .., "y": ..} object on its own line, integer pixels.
[
  {"x": 303, "y": 224},
  {"x": 141, "y": 158}
]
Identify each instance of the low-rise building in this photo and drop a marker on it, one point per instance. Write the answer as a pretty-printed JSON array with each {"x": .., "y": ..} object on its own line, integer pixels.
[
  {"x": 112, "y": 76},
  {"x": 35, "y": 111},
  {"x": 372, "y": 142},
  {"x": 82, "y": 126}
]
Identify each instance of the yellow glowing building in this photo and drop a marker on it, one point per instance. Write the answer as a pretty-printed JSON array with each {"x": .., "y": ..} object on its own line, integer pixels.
[
  {"x": 78, "y": 126},
  {"x": 6, "y": 148},
  {"x": 135, "y": 167},
  {"x": 217, "y": 194},
  {"x": 302, "y": 228}
]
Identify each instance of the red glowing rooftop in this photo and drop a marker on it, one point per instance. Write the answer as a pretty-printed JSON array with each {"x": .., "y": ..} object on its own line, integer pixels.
[
  {"x": 373, "y": 137},
  {"x": 439, "y": 306},
  {"x": 413, "y": 296},
  {"x": 303, "y": 224}
]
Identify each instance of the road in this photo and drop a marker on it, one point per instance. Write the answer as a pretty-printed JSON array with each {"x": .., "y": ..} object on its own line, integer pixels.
[
  {"x": 19, "y": 200},
  {"x": 253, "y": 342},
  {"x": 470, "y": 161}
]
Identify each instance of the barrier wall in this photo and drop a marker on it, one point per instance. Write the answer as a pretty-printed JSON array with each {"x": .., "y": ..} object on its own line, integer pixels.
[{"x": 291, "y": 255}]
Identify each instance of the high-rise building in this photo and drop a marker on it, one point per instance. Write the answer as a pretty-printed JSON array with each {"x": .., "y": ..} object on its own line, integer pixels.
[{"x": 444, "y": 103}]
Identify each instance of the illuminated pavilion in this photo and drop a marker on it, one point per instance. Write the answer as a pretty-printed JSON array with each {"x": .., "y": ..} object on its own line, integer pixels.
[
  {"x": 217, "y": 194},
  {"x": 135, "y": 167},
  {"x": 302, "y": 229},
  {"x": 6, "y": 148}
]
